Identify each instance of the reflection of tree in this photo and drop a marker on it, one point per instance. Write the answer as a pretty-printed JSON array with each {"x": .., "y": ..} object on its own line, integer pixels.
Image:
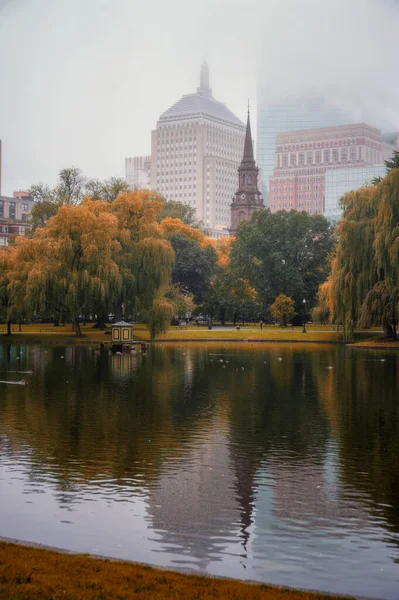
[
  {"x": 360, "y": 397},
  {"x": 171, "y": 421}
]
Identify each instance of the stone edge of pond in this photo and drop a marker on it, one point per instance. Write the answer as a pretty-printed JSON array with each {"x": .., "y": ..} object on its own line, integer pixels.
[{"x": 299, "y": 593}]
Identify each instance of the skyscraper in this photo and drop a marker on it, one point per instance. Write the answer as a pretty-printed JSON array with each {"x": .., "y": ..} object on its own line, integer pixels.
[
  {"x": 195, "y": 152},
  {"x": 291, "y": 114}
]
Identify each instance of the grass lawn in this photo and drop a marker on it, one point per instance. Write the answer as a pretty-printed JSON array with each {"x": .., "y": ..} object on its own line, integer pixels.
[
  {"x": 315, "y": 333},
  {"x": 28, "y": 573}
]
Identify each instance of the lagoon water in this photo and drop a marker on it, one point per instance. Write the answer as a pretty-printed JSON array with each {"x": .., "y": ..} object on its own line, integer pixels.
[{"x": 282, "y": 471}]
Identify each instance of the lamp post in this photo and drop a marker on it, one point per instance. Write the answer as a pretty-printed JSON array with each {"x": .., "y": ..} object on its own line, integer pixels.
[{"x": 304, "y": 315}]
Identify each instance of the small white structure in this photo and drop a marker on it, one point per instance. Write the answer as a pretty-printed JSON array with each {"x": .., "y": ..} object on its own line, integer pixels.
[{"x": 122, "y": 332}]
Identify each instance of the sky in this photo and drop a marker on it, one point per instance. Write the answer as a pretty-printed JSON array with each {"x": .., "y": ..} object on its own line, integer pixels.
[{"x": 83, "y": 82}]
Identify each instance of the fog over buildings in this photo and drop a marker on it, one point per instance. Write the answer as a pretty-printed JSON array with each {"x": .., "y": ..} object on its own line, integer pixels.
[{"x": 83, "y": 84}]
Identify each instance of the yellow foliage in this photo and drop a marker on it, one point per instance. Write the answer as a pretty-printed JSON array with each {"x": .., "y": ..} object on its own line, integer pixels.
[{"x": 171, "y": 226}]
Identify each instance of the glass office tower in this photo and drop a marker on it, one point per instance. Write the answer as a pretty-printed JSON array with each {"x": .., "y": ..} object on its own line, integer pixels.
[
  {"x": 340, "y": 181},
  {"x": 290, "y": 114}
]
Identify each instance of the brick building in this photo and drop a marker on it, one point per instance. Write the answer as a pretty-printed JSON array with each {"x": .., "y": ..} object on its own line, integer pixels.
[
  {"x": 14, "y": 216},
  {"x": 303, "y": 157}
]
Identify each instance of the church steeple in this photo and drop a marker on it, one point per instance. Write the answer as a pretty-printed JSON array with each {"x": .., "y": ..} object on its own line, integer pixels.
[
  {"x": 247, "y": 198},
  {"x": 204, "y": 89},
  {"x": 248, "y": 161}
]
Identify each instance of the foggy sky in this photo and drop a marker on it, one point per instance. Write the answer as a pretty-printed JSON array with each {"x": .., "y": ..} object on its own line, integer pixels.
[{"x": 83, "y": 82}]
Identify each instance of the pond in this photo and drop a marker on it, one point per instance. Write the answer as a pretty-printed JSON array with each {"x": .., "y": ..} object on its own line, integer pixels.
[{"x": 279, "y": 464}]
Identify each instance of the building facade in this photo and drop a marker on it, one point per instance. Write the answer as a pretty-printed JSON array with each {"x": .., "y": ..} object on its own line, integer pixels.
[
  {"x": 340, "y": 181},
  {"x": 303, "y": 157},
  {"x": 195, "y": 152},
  {"x": 247, "y": 198},
  {"x": 138, "y": 172},
  {"x": 290, "y": 114},
  {"x": 14, "y": 216}
]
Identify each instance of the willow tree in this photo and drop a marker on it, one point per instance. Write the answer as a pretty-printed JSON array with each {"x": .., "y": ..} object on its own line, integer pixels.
[
  {"x": 69, "y": 267},
  {"x": 145, "y": 261},
  {"x": 7, "y": 259},
  {"x": 366, "y": 256}
]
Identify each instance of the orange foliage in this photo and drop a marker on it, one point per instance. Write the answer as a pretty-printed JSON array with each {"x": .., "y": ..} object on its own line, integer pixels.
[
  {"x": 223, "y": 247},
  {"x": 170, "y": 226}
]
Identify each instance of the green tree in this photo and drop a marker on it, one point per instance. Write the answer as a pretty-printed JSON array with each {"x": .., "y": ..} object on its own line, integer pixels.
[
  {"x": 107, "y": 190},
  {"x": 194, "y": 265},
  {"x": 366, "y": 257},
  {"x": 178, "y": 210},
  {"x": 283, "y": 308},
  {"x": 283, "y": 252}
]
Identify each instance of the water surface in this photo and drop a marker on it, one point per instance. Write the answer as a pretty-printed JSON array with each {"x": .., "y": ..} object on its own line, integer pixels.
[{"x": 279, "y": 464}]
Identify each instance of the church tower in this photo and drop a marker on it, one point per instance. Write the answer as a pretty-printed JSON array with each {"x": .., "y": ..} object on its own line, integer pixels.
[{"x": 247, "y": 199}]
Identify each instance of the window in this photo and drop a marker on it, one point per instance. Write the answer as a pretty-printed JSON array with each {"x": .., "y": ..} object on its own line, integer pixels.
[
  {"x": 344, "y": 154},
  {"x": 318, "y": 157},
  {"x": 301, "y": 159},
  {"x": 1, "y": 208},
  {"x": 293, "y": 160},
  {"x": 25, "y": 217},
  {"x": 326, "y": 156},
  {"x": 352, "y": 156},
  {"x": 309, "y": 158},
  {"x": 335, "y": 155},
  {"x": 11, "y": 210},
  {"x": 285, "y": 160}
]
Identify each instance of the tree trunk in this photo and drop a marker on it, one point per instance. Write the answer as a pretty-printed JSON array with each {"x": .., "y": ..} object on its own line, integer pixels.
[
  {"x": 20, "y": 327},
  {"x": 388, "y": 332},
  {"x": 77, "y": 328},
  {"x": 118, "y": 312},
  {"x": 8, "y": 327},
  {"x": 234, "y": 319},
  {"x": 222, "y": 318},
  {"x": 100, "y": 323}
]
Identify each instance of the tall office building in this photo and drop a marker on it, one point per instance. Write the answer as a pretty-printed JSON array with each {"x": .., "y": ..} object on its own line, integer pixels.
[
  {"x": 290, "y": 114},
  {"x": 195, "y": 152},
  {"x": 138, "y": 172}
]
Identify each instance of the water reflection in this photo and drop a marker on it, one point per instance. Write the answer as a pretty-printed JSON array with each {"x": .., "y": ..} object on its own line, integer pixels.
[{"x": 276, "y": 464}]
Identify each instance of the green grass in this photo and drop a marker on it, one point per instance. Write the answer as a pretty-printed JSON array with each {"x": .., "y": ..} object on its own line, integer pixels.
[{"x": 315, "y": 333}]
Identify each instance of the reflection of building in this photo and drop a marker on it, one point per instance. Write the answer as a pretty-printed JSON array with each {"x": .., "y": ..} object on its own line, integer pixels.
[
  {"x": 14, "y": 215},
  {"x": 247, "y": 198},
  {"x": 196, "y": 149},
  {"x": 289, "y": 115},
  {"x": 303, "y": 158},
  {"x": 338, "y": 182},
  {"x": 201, "y": 493},
  {"x": 138, "y": 172}
]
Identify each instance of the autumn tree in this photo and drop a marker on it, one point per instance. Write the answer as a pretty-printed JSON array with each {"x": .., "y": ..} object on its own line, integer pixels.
[
  {"x": 177, "y": 210},
  {"x": 145, "y": 261},
  {"x": 69, "y": 267},
  {"x": 283, "y": 308}
]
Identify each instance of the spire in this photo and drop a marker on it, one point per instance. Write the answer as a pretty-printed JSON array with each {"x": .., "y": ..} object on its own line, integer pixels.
[
  {"x": 204, "y": 88},
  {"x": 248, "y": 161}
]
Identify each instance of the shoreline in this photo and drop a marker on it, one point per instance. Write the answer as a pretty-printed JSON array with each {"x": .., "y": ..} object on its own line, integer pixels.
[{"x": 32, "y": 571}]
